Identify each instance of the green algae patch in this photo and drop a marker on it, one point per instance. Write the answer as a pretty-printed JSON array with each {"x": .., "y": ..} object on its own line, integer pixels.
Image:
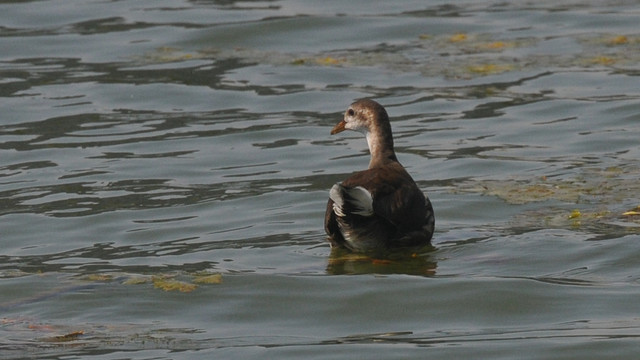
[
  {"x": 455, "y": 55},
  {"x": 170, "y": 284},
  {"x": 596, "y": 199},
  {"x": 181, "y": 282},
  {"x": 609, "y": 186},
  {"x": 207, "y": 278}
]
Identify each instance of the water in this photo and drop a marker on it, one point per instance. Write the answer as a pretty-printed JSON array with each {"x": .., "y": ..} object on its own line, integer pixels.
[{"x": 165, "y": 166}]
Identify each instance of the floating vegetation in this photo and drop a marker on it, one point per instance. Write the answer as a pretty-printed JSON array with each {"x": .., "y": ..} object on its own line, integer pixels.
[
  {"x": 602, "y": 60},
  {"x": 181, "y": 282},
  {"x": 35, "y": 337},
  {"x": 136, "y": 280},
  {"x": 497, "y": 45},
  {"x": 575, "y": 214},
  {"x": 166, "y": 54},
  {"x": 453, "y": 55},
  {"x": 168, "y": 283},
  {"x": 13, "y": 273},
  {"x": 619, "y": 40},
  {"x": 601, "y": 194},
  {"x": 324, "y": 61},
  {"x": 72, "y": 336},
  {"x": 207, "y": 278},
  {"x": 633, "y": 212},
  {"x": 98, "y": 277},
  {"x": 458, "y": 37},
  {"x": 488, "y": 69},
  {"x": 596, "y": 186}
]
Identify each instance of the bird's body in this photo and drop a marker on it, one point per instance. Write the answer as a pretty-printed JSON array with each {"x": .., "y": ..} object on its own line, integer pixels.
[{"x": 381, "y": 207}]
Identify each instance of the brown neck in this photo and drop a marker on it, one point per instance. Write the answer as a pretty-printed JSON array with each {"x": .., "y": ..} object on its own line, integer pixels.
[{"x": 381, "y": 146}]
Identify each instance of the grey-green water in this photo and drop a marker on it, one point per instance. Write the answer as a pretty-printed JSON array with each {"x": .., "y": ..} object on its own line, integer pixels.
[{"x": 164, "y": 168}]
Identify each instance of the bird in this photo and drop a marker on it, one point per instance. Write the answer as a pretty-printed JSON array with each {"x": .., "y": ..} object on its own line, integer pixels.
[{"x": 380, "y": 208}]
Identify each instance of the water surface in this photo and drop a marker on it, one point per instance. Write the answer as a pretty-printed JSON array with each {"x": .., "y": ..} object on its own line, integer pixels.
[{"x": 165, "y": 165}]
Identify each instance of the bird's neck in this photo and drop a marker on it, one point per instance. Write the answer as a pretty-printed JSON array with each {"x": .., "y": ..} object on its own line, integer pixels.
[{"x": 381, "y": 148}]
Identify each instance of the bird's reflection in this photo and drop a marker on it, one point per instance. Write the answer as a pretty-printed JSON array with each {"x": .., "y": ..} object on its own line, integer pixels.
[{"x": 420, "y": 262}]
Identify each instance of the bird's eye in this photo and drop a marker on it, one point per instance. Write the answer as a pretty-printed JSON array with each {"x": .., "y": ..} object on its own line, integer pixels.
[{"x": 350, "y": 112}]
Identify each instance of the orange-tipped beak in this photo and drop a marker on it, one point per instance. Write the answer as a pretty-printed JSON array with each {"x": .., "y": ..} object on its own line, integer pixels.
[{"x": 338, "y": 128}]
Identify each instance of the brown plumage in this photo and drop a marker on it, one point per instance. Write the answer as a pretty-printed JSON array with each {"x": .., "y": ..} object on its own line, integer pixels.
[{"x": 381, "y": 207}]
